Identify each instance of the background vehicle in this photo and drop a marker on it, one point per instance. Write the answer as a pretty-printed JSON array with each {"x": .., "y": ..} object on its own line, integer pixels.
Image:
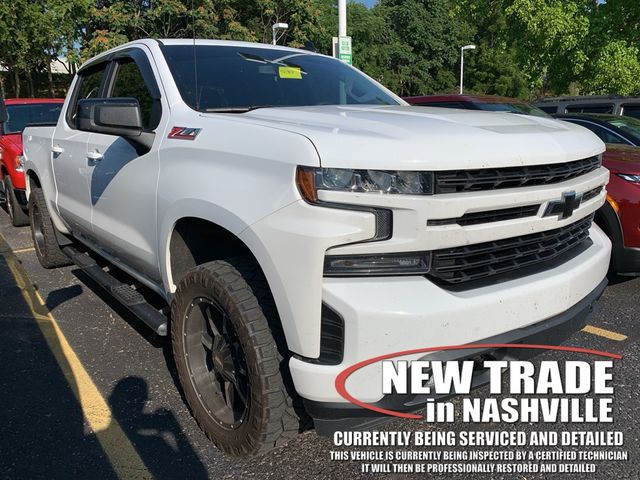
[
  {"x": 490, "y": 103},
  {"x": 607, "y": 104},
  {"x": 20, "y": 113},
  {"x": 322, "y": 222},
  {"x": 620, "y": 216}
]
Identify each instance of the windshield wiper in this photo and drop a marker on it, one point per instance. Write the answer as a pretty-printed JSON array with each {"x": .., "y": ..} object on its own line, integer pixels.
[{"x": 236, "y": 109}]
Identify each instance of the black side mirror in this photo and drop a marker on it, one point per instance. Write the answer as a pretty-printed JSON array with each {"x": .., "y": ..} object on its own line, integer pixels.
[
  {"x": 111, "y": 116},
  {"x": 3, "y": 112}
]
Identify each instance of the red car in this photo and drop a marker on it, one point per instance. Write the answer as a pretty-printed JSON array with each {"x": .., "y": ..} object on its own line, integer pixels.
[
  {"x": 620, "y": 216},
  {"x": 477, "y": 102},
  {"x": 20, "y": 113}
]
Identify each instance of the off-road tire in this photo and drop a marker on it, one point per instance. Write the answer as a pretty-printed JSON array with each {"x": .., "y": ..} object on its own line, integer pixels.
[
  {"x": 18, "y": 217},
  {"x": 43, "y": 232},
  {"x": 239, "y": 287}
]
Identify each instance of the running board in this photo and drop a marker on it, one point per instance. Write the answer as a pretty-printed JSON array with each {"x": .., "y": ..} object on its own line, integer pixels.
[{"x": 122, "y": 292}]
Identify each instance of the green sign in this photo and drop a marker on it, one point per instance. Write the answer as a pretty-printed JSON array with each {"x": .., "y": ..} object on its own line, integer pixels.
[{"x": 344, "y": 49}]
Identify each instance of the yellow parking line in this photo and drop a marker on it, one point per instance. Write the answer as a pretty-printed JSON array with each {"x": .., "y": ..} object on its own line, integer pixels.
[
  {"x": 601, "y": 332},
  {"x": 25, "y": 250},
  {"x": 121, "y": 453}
]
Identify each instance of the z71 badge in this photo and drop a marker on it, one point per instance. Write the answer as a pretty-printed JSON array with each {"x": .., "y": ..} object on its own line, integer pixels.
[{"x": 184, "y": 133}]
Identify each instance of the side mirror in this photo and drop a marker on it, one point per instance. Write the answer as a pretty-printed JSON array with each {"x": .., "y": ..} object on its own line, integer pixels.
[
  {"x": 3, "y": 112},
  {"x": 111, "y": 116}
]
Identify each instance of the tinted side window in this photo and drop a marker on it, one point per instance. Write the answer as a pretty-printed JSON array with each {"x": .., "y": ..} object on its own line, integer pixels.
[
  {"x": 599, "y": 108},
  {"x": 605, "y": 135},
  {"x": 631, "y": 110},
  {"x": 89, "y": 83},
  {"x": 129, "y": 82}
]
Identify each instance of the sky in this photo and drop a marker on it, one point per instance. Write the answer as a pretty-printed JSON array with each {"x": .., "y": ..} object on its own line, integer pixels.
[{"x": 368, "y": 3}]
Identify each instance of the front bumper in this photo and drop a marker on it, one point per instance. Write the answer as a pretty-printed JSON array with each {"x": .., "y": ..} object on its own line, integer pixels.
[
  {"x": 331, "y": 417},
  {"x": 386, "y": 315}
]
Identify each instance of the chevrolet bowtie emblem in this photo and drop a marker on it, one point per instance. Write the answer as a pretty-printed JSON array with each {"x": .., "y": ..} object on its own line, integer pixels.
[{"x": 564, "y": 208}]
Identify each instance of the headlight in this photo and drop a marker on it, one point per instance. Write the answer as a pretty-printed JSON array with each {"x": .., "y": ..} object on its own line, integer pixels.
[
  {"x": 310, "y": 180},
  {"x": 630, "y": 177},
  {"x": 416, "y": 263}
]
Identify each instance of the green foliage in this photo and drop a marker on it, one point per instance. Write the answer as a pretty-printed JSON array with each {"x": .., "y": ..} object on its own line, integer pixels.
[
  {"x": 615, "y": 70},
  {"x": 526, "y": 48}
]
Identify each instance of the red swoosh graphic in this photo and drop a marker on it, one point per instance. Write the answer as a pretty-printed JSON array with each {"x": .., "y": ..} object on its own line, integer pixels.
[{"x": 341, "y": 379}]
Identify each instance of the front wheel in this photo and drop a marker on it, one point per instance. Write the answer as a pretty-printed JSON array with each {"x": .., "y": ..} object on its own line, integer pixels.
[{"x": 227, "y": 359}]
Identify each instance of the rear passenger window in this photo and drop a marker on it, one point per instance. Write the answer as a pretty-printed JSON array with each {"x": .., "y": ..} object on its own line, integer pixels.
[
  {"x": 631, "y": 110},
  {"x": 130, "y": 83},
  {"x": 88, "y": 86},
  {"x": 599, "y": 108}
]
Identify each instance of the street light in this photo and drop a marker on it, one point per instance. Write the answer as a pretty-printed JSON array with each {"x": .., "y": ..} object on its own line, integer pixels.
[
  {"x": 466, "y": 47},
  {"x": 278, "y": 26}
]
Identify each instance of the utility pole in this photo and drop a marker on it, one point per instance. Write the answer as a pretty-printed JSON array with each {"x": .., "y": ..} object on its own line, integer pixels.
[
  {"x": 466, "y": 47},
  {"x": 342, "y": 43}
]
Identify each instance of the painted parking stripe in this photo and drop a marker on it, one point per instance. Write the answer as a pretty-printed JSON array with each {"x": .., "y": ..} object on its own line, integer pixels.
[
  {"x": 601, "y": 332},
  {"x": 122, "y": 455}
]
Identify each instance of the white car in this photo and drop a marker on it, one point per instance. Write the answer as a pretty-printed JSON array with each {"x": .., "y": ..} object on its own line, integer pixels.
[{"x": 298, "y": 218}]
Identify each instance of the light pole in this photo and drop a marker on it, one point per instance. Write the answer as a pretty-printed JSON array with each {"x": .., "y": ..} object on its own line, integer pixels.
[
  {"x": 277, "y": 26},
  {"x": 466, "y": 47}
]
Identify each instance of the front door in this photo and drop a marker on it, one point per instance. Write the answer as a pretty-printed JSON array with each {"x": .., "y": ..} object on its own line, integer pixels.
[{"x": 123, "y": 175}]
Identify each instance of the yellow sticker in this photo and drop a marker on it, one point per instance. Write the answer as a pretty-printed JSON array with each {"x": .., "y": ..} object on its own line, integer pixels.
[{"x": 290, "y": 72}]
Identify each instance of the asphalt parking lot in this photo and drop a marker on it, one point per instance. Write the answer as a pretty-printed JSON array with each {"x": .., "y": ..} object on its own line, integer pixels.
[{"x": 88, "y": 392}]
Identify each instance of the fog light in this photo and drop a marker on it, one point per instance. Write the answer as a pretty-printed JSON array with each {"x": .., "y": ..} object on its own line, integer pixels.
[{"x": 377, "y": 264}]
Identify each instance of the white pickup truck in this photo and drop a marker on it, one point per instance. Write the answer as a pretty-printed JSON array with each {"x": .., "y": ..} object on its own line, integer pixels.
[{"x": 297, "y": 217}]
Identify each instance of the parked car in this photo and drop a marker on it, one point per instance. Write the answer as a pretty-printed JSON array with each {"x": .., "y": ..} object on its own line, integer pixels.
[
  {"x": 612, "y": 129},
  {"x": 490, "y": 103},
  {"x": 300, "y": 218},
  {"x": 20, "y": 113},
  {"x": 620, "y": 216},
  {"x": 607, "y": 104}
]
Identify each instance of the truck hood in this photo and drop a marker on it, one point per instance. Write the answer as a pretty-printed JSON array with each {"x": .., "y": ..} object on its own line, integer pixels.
[{"x": 428, "y": 138}]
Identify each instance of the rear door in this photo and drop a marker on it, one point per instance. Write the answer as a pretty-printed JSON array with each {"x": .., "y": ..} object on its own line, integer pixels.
[
  {"x": 70, "y": 165},
  {"x": 123, "y": 176}
]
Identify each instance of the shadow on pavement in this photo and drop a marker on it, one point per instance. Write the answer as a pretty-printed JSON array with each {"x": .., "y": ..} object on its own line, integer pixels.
[
  {"x": 157, "y": 436},
  {"x": 43, "y": 431}
]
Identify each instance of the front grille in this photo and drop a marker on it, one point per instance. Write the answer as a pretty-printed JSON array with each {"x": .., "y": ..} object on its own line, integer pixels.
[
  {"x": 489, "y": 216},
  {"x": 455, "y": 181},
  {"x": 455, "y": 266}
]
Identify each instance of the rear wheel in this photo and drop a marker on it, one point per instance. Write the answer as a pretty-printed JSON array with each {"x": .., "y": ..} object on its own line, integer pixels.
[
  {"x": 227, "y": 360},
  {"x": 18, "y": 217},
  {"x": 43, "y": 232}
]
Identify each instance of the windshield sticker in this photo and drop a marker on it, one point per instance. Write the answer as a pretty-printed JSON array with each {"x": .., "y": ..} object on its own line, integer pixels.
[{"x": 290, "y": 72}]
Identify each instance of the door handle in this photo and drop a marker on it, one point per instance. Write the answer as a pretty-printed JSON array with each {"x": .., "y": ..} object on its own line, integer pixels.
[
  {"x": 57, "y": 149},
  {"x": 96, "y": 156}
]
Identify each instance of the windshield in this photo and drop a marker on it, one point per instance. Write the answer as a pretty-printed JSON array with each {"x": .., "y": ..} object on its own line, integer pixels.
[
  {"x": 627, "y": 124},
  {"x": 247, "y": 77},
  {"x": 521, "y": 108},
  {"x": 22, "y": 115}
]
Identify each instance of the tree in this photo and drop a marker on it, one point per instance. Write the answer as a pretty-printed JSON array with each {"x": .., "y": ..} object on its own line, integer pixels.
[
  {"x": 615, "y": 70},
  {"x": 549, "y": 38}
]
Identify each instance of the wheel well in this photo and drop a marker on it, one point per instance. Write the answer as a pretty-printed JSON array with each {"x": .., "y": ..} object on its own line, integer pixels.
[
  {"x": 32, "y": 176},
  {"x": 195, "y": 241}
]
